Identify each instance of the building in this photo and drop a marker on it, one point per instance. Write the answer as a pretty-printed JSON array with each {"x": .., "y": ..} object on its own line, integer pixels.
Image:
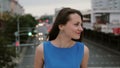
[
  {"x": 87, "y": 19},
  {"x": 105, "y": 11},
  {"x": 11, "y": 6},
  {"x": 104, "y": 16},
  {"x": 86, "y": 15}
]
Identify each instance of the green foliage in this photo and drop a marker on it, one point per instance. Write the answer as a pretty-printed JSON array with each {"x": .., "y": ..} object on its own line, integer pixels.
[
  {"x": 7, "y": 36},
  {"x": 26, "y": 21},
  {"x": 6, "y": 54}
]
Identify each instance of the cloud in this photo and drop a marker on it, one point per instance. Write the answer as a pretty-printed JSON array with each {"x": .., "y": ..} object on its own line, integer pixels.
[
  {"x": 40, "y": 7},
  {"x": 51, "y": 2}
]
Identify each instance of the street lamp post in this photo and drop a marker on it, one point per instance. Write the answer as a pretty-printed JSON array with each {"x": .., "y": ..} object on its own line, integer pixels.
[
  {"x": 18, "y": 36},
  {"x": 18, "y": 29},
  {"x": 1, "y": 8}
]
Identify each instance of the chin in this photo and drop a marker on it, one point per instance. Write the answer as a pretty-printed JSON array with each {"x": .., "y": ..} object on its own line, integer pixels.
[{"x": 76, "y": 38}]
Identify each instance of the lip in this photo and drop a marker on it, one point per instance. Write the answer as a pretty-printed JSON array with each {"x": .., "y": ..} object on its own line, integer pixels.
[{"x": 78, "y": 33}]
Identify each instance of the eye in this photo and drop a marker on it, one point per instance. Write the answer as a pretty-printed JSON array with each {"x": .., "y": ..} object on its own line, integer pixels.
[{"x": 78, "y": 24}]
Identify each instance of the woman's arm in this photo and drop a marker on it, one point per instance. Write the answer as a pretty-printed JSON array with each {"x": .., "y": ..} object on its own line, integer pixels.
[
  {"x": 39, "y": 59},
  {"x": 85, "y": 58}
]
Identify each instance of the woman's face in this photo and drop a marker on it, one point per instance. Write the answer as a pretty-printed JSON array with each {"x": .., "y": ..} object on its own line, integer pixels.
[{"x": 73, "y": 27}]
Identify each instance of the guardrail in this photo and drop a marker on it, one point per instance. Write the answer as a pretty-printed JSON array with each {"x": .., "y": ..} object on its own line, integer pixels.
[
  {"x": 108, "y": 40},
  {"x": 27, "y": 44}
]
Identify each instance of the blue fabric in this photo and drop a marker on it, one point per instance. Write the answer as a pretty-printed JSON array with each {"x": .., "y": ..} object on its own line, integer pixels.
[{"x": 55, "y": 57}]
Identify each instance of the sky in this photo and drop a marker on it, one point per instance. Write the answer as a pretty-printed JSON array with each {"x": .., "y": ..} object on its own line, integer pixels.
[{"x": 42, "y": 7}]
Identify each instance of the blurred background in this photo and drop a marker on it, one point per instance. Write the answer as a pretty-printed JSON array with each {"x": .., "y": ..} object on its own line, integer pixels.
[{"x": 24, "y": 24}]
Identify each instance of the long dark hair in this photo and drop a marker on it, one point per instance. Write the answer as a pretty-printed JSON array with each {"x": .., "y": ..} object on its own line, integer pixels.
[{"x": 62, "y": 18}]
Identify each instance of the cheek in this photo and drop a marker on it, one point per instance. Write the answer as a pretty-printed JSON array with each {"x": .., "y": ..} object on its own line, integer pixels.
[{"x": 70, "y": 31}]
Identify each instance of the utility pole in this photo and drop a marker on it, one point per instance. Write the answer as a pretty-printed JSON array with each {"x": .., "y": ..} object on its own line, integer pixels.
[
  {"x": 18, "y": 36},
  {"x": 1, "y": 8},
  {"x": 18, "y": 28}
]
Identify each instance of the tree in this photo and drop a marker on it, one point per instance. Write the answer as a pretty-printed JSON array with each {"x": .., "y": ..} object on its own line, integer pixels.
[
  {"x": 29, "y": 23},
  {"x": 7, "y": 36}
]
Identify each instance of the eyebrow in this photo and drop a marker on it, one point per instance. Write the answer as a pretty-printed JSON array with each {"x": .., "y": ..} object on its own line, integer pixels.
[{"x": 79, "y": 22}]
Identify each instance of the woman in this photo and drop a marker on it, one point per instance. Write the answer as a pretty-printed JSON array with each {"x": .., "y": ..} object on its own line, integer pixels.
[{"x": 61, "y": 50}]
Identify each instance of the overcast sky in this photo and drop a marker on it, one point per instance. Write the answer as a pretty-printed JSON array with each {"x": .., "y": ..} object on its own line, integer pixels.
[{"x": 40, "y": 7}]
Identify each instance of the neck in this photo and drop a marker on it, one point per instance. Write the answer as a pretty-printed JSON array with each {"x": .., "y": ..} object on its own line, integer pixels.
[{"x": 63, "y": 42}]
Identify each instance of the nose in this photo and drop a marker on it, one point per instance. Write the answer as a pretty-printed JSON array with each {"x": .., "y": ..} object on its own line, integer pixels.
[{"x": 81, "y": 28}]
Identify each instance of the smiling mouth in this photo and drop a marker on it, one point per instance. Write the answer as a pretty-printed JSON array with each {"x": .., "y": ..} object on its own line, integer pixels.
[{"x": 78, "y": 33}]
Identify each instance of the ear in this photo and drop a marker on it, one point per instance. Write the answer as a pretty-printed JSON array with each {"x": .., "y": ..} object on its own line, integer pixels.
[{"x": 61, "y": 27}]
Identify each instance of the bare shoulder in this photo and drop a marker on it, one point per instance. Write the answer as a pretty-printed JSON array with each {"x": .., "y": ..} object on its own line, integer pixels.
[
  {"x": 39, "y": 48},
  {"x": 86, "y": 49},
  {"x": 39, "y": 59},
  {"x": 85, "y": 58}
]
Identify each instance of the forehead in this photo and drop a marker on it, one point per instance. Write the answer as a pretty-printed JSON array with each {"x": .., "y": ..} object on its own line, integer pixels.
[{"x": 75, "y": 17}]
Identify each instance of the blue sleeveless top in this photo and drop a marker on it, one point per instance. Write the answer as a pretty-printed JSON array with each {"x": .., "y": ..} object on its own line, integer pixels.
[{"x": 55, "y": 57}]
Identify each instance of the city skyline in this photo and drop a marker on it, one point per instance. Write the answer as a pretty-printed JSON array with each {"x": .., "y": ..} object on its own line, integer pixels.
[{"x": 41, "y": 7}]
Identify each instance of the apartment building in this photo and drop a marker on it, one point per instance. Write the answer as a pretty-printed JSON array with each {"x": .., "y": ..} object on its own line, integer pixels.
[
  {"x": 11, "y": 6},
  {"x": 105, "y": 11},
  {"x": 105, "y": 14}
]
